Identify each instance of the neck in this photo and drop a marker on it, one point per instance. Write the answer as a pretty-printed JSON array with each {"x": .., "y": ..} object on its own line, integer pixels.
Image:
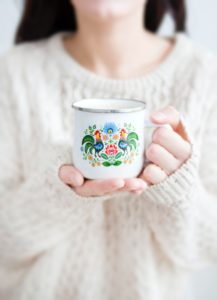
[
  {"x": 111, "y": 47},
  {"x": 116, "y": 48}
]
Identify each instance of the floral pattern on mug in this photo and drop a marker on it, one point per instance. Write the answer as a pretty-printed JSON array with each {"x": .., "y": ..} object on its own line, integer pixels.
[{"x": 110, "y": 145}]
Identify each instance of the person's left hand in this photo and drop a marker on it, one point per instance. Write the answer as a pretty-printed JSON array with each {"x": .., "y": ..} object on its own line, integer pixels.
[{"x": 169, "y": 149}]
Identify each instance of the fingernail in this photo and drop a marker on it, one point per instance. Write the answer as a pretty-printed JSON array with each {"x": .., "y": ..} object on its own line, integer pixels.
[
  {"x": 159, "y": 116},
  {"x": 77, "y": 180},
  {"x": 138, "y": 185},
  {"x": 139, "y": 192},
  {"x": 120, "y": 183},
  {"x": 65, "y": 175}
]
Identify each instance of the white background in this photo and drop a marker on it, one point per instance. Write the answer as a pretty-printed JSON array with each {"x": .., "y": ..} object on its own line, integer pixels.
[{"x": 202, "y": 27}]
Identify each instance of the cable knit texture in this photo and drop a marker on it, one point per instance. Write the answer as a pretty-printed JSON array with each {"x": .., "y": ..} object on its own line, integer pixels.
[{"x": 57, "y": 245}]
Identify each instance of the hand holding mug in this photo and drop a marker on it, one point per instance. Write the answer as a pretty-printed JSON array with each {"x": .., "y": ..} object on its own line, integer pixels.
[
  {"x": 169, "y": 148},
  {"x": 109, "y": 155},
  {"x": 88, "y": 188}
]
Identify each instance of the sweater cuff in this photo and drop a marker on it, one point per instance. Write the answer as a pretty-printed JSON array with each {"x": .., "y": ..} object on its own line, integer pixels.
[
  {"x": 62, "y": 155},
  {"x": 179, "y": 183}
]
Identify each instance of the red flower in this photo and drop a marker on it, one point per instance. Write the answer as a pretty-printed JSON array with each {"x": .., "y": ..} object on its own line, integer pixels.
[{"x": 111, "y": 149}]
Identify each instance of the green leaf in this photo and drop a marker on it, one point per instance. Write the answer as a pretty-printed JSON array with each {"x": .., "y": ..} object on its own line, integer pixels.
[
  {"x": 88, "y": 138},
  {"x": 87, "y": 147},
  {"x": 132, "y": 135},
  {"x": 118, "y": 155},
  {"x": 117, "y": 163},
  {"x": 106, "y": 164},
  {"x": 133, "y": 143},
  {"x": 103, "y": 155}
]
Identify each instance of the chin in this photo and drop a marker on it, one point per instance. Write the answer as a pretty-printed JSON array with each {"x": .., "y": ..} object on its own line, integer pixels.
[{"x": 107, "y": 9}]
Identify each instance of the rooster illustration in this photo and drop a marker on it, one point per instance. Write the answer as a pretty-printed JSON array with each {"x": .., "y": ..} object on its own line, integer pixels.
[
  {"x": 91, "y": 144},
  {"x": 128, "y": 141}
]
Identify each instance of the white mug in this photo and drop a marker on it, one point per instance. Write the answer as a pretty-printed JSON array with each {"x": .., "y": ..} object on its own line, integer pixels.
[{"x": 110, "y": 137}]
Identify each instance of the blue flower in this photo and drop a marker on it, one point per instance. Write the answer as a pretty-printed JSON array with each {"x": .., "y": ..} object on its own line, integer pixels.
[
  {"x": 110, "y": 128},
  {"x": 82, "y": 148}
]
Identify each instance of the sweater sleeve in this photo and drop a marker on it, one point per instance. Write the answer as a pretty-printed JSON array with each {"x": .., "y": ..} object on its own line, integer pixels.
[
  {"x": 37, "y": 210},
  {"x": 182, "y": 210}
]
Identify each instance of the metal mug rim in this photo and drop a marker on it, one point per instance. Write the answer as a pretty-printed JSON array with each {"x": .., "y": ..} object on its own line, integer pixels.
[{"x": 108, "y": 110}]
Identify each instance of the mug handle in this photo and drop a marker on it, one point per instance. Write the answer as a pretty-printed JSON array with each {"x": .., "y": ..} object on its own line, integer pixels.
[{"x": 152, "y": 126}]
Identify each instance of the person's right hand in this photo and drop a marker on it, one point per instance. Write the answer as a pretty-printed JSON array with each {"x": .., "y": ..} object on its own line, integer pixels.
[{"x": 87, "y": 188}]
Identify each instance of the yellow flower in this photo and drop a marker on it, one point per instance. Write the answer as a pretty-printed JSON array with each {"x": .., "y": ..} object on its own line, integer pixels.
[
  {"x": 115, "y": 137},
  {"x": 93, "y": 164},
  {"x": 98, "y": 163},
  {"x": 90, "y": 157}
]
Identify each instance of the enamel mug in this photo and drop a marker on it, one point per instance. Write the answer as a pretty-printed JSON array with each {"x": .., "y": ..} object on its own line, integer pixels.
[{"x": 110, "y": 137}]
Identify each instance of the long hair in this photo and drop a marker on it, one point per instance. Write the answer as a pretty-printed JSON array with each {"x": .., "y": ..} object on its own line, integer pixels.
[{"x": 42, "y": 18}]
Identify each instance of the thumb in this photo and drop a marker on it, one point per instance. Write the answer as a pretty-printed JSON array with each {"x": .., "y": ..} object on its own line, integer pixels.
[
  {"x": 167, "y": 115},
  {"x": 70, "y": 175}
]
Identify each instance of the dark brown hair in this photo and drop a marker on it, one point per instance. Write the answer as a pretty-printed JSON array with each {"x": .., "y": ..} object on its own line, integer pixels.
[{"x": 42, "y": 18}]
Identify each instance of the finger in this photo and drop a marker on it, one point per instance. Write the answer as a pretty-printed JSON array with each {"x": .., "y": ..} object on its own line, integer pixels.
[
  {"x": 137, "y": 192},
  {"x": 168, "y": 115},
  {"x": 172, "y": 142},
  {"x": 171, "y": 116},
  {"x": 133, "y": 185},
  {"x": 162, "y": 158},
  {"x": 153, "y": 174},
  {"x": 99, "y": 187},
  {"x": 70, "y": 175}
]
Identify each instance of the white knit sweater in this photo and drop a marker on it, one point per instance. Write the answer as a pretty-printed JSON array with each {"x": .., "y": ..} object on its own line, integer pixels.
[{"x": 56, "y": 245}]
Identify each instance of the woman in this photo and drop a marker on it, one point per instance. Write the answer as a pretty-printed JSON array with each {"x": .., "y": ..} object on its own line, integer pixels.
[{"x": 65, "y": 237}]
